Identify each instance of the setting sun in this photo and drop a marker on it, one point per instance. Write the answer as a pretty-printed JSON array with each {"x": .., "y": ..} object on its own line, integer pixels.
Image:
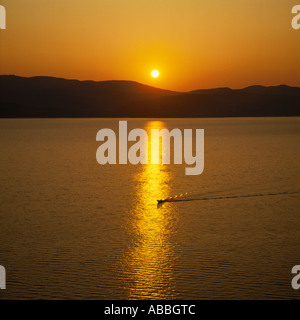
[{"x": 154, "y": 73}]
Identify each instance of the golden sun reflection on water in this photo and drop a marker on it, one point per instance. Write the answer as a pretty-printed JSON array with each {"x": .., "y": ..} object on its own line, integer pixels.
[{"x": 148, "y": 266}]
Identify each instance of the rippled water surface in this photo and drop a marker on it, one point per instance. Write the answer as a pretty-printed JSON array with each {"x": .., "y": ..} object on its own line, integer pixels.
[{"x": 71, "y": 228}]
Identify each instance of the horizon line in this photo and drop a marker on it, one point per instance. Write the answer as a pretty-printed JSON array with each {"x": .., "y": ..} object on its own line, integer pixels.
[{"x": 144, "y": 84}]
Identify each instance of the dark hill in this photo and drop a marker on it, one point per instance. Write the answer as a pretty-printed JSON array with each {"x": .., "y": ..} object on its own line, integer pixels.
[{"x": 54, "y": 97}]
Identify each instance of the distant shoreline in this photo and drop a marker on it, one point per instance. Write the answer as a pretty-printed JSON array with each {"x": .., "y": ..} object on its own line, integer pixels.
[
  {"x": 140, "y": 118},
  {"x": 49, "y": 97}
]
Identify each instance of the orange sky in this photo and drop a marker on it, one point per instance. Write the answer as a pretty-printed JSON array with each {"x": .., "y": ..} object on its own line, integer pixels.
[{"x": 193, "y": 43}]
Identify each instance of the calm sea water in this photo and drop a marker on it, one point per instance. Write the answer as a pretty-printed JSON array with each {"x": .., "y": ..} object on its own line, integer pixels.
[{"x": 71, "y": 228}]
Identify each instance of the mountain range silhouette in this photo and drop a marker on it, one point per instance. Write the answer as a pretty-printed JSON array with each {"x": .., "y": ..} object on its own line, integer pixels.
[{"x": 49, "y": 97}]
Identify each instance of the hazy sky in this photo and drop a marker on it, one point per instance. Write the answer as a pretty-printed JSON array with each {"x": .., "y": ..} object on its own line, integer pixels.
[{"x": 193, "y": 43}]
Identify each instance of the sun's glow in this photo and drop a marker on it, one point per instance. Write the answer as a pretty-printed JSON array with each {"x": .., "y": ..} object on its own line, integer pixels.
[
  {"x": 154, "y": 73},
  {"x": 149, "y": 262}
]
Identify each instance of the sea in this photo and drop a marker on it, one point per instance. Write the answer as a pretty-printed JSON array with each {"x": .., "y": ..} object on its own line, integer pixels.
[{"x": 71, "y": 228}]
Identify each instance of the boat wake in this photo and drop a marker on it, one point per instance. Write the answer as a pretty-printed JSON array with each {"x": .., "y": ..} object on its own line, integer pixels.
[{"x": 214, "y": 196}]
